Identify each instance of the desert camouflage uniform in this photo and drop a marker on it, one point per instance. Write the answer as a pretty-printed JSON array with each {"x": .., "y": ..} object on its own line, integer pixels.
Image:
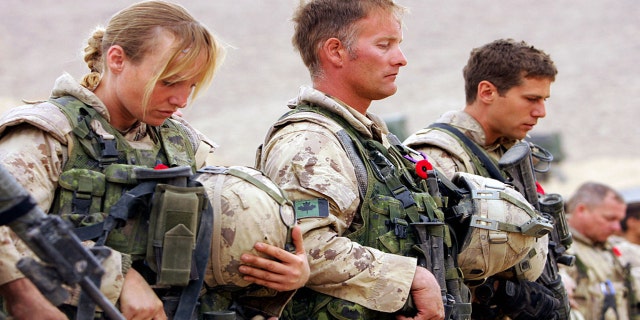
[
  {"x": 596, "y": 263},
  {"x": 629, "y": 254},
  {"x": 35, "y": 149},
  {"x": 446, "y": 153},
  {"x": 307, "y": 161},
  {"x": 244, "y": 213}
]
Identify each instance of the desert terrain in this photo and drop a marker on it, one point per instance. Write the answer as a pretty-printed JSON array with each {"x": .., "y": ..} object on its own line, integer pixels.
[{"x": 594, "y": 105}]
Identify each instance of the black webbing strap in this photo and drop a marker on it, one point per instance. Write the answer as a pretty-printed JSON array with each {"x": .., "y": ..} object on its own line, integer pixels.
[
  {"x": 118, "y": 213},
  {"x": 481, "y": 154},
  {"x": 19, "y": 209}
]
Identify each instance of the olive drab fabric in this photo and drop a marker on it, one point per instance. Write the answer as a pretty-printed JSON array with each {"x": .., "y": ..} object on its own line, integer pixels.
[
  {"x": 101, "y": 167},
  {"x": 39, "y": 142},
  {"x": 393, "y": 198},
  {"x": 308, "y": 162},
  {"x": 629, "y": 254}
]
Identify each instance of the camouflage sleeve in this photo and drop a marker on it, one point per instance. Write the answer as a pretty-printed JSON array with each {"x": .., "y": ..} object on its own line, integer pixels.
[
  {"x": 307, "y": 161},
  {"x": 35, "y": 159}
]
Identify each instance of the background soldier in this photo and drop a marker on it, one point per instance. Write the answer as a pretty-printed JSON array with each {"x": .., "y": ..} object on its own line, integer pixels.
[
  {"x": 594, "y": 213},
  {"x": 628, "y": 247}
]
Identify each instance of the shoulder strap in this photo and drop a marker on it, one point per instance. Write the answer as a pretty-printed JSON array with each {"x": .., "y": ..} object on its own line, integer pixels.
[
  {"x": 277, "y": 197},
  {"x": 345, "y": 139},
  {"x": 481, "y": 154}
]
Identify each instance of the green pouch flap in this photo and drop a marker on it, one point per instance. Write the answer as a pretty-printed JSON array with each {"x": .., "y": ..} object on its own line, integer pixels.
[
  {"x": 81, "y": 195},
  {"x": 172, "y": 206},
  {"x": 83, "y": 181},
  {"x": 390, "y": 242},
  {"x": 176, "y": 253}
]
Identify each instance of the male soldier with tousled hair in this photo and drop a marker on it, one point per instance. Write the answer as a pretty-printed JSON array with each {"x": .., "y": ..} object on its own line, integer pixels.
[
  {"x": 352, "y": 51},
  {"x": 506, "y": 85}
]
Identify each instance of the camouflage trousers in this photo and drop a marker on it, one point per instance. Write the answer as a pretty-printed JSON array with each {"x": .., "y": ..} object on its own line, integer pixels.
[{"x": 308, "y": 304}]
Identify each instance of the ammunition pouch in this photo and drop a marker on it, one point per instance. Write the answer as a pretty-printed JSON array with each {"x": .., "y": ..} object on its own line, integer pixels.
[
  {"x": 81, "y": 194},
  {"x": 172, "y": 232}
]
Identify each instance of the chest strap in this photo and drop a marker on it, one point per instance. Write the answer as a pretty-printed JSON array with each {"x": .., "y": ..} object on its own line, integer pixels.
[{"x": 479, "y": 153}]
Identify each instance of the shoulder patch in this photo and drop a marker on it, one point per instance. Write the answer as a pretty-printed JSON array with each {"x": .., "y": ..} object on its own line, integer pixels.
[{"x": 311, "y": 208}]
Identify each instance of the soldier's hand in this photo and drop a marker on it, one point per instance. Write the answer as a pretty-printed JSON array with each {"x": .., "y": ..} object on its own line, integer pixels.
[
  {"x": 289, "y": 271},
  {"x": 526, "y": 300},
  {"x": 24, "y": 301},
  {"x": 427, "y": 299},
  {"x": 138, "y": 301}
]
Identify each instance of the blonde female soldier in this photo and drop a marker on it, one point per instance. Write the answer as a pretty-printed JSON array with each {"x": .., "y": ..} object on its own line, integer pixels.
[{"x": 152, "y": 58}]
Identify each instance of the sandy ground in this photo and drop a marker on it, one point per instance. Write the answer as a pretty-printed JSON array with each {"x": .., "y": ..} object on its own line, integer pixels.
[{"x": 595, "y": 44}]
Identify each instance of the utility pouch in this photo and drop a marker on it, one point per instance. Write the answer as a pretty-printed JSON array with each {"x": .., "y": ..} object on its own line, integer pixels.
[
  {"x": 172, "y": 233},
  {"x": 80, "y": 197},
  {"x": 391, "y": 234}
]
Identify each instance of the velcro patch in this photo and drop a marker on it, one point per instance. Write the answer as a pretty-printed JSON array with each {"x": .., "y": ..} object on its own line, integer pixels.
[{"x": 311, "y": 208}]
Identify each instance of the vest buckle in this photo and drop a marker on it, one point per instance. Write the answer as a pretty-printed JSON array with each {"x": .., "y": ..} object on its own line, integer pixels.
[{"x": 399, "y": 227}]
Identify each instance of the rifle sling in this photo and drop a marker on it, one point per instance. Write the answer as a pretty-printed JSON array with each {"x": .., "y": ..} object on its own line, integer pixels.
[{"x": 481, "y": 154}]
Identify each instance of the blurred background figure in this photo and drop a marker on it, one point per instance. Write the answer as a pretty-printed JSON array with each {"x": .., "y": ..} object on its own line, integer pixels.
[{"x": 594, "y": 215}]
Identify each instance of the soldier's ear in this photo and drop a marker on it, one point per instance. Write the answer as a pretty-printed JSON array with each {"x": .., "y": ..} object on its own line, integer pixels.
[
  {"x": 487, "y": 92},
  {"x": 115, "y": 59},
  {"x": 334, "y": 52}
]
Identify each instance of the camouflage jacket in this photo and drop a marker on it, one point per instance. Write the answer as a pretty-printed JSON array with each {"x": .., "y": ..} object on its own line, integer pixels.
[
  {"x": 596, "y": 264},
  {"x": 307, "y": 161},
  {"x": 446, "y": 152},
  {"x": 35, "y": 143},
  {"x": 629, "y": 254}
]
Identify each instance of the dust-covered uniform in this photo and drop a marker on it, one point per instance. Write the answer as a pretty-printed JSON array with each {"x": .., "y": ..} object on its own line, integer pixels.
[
  {"x": 34, "y": 140},
  {"x": 629, "y": 254},
  {"x": 447, "y": 153},
  {"x": 450, "y": 155},
  {"x": 306, "y": 159},
  {"x": 598, "y": 273}
]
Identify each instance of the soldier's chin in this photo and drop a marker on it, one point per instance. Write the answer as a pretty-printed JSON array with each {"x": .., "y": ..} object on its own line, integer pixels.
[{"x": 155, "y": 121}]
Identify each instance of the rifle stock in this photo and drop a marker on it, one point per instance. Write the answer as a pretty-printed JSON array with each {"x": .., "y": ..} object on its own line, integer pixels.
[
  {"x": 65, "y": 259},
  {"x": 517, "y": 163}
]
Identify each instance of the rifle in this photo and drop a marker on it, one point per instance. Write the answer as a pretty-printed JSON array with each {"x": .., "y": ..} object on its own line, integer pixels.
[
  {"x": 517, "y": 163},
  {"x": 437, "y": 257},
  {"x": 64, "y": 259},
  {"x": 434, "y": 240}
]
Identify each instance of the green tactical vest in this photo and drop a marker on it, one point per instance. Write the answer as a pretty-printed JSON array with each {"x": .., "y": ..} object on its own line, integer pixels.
[
  {"x": 101, "y": 167},
  {"x": 393, "y": 198}
]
